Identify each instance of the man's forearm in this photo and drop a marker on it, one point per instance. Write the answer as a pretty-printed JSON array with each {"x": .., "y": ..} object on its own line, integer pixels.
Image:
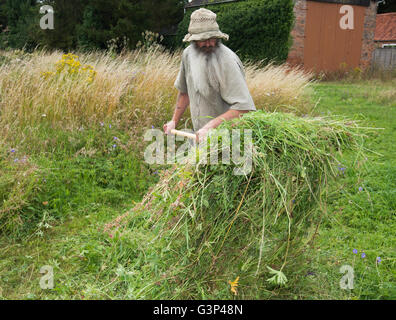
[
  {"x": 181, "y": 104},
  {"x": 228, "y": 115}
]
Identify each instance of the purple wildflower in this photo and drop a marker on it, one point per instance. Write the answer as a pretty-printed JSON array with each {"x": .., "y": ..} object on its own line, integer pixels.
[
  {"x": 16, "y": 160},
  {"x": 378, "y": 259},
  {"x": 110, "y": 126},
  {"x": 355, "y": 251},
  {"x": 363, "y": 255},
  {"x": 115, "y": 138},
  {"x": 12, "y": 150},
  {"x": 360, "y": 189},
  {"x": 114, "y": 145}
]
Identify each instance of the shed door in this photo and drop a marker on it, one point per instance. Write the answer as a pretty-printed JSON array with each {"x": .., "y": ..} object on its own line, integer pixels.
[{"x": 326, "y": 44}]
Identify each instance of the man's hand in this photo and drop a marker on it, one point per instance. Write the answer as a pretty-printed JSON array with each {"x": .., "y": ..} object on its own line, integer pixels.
[
  {"x": 181, "y": 104},
  {"x": 228, "y": 115},
  {"x": 169, "y": 126},
  {"x": 202, "y": 134}
]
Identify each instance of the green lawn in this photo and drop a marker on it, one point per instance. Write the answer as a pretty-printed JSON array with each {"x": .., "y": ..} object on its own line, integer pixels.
[
  {"x": 362, "y": 206},
  {"x": 89, "y": 263}
]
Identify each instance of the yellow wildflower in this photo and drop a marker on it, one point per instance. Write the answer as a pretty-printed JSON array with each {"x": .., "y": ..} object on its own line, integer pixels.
[
  {"x": 72, "y": 66},
  {"x": 234, "y": 285}
]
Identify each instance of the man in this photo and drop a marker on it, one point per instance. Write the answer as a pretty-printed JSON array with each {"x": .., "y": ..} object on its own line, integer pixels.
[{"x": 211, "y": 78}]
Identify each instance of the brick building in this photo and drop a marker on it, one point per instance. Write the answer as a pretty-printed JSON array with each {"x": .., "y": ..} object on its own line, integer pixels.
[
  {"x": 329, "y": 34},
  {"x": 385, "y": 31}
]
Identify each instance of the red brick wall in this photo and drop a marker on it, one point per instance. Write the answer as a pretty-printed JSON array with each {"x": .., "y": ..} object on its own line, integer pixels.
[
  {"x": 296, "y": 53},
  {"x": 368, "y": 45}
]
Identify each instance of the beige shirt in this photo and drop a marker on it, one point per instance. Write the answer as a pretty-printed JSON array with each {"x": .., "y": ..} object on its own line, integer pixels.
[{"x": 232, "y": 94}]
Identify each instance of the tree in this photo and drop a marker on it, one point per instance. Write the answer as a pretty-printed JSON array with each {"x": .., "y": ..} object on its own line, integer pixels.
[
  {"x": 87, "y": 24},
  {"x": 22, "y": 22},
  {"x": 3, "y": 15},
  {"x": 164, "y": 13},
  {"x": 387, "y": 6},
  {"x": 67, "y": 15},
  {"x": 121, "y": 20},
  {"x": 105, "y": 20}
]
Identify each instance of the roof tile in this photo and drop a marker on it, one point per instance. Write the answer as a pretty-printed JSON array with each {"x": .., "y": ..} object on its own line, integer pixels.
[{"x": 386, "y": 27}]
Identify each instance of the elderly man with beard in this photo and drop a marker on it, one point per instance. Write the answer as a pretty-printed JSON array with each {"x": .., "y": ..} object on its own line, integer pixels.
[{"x": 211, "y": 78}]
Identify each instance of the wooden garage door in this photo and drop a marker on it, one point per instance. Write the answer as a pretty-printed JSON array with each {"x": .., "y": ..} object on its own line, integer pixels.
[{"x": 326, "y": 44}]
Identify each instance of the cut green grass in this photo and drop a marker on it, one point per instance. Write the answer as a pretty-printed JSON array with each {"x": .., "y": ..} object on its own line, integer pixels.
[{"x": 362, "y": 206}]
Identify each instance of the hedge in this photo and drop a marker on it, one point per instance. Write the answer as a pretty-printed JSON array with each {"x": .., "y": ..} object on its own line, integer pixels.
[{"x": 258, "y": 29}]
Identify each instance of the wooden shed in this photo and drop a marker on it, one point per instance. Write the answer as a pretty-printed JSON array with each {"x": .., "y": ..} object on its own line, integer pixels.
[{"x": 333, "y": 34}]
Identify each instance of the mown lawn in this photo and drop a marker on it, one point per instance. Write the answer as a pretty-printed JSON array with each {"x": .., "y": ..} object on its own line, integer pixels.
[
  {"x": 362, "y": 205},
  {"x": 89, "y": 263}
]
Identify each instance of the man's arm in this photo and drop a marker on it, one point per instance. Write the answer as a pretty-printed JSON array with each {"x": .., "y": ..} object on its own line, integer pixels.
[
  {"x": 214, "y": 123},
  {"x": 182, "y": 103}
]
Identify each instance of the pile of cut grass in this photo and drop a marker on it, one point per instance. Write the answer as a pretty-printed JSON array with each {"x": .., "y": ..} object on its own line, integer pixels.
[{"x": 212, "y": 226}]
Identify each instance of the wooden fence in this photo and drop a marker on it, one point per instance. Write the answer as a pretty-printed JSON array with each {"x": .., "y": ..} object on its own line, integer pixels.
[{"x": 385, "y": 58}]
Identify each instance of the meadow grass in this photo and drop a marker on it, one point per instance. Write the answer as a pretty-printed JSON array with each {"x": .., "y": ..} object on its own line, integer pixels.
[
  {"x": 362, "y": 204},
  {"x": 52, "y": 105},
  {"x": 67, "y": 198}
]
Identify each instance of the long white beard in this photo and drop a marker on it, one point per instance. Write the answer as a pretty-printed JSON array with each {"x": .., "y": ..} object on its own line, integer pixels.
[{"x": 206, "y": 70}]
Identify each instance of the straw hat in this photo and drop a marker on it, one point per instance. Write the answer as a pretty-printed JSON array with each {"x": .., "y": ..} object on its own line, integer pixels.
[{"x": 203, "y": 26}]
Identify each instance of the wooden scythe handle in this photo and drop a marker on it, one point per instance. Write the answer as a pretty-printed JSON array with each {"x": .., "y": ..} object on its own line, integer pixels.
[{"x": 184, "y": 134}]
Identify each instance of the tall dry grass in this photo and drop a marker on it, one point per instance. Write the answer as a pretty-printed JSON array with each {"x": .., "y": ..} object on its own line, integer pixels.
[
  {"x": 280, "y": 88},
  {"x": 134, "y": 89},
  {"x": 41, "y": 112}
]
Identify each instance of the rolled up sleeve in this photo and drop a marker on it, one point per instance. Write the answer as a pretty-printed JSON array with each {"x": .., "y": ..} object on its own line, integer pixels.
[
  {"x": 234, "y": 90},
  {"x": 180, "y": 83}
]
